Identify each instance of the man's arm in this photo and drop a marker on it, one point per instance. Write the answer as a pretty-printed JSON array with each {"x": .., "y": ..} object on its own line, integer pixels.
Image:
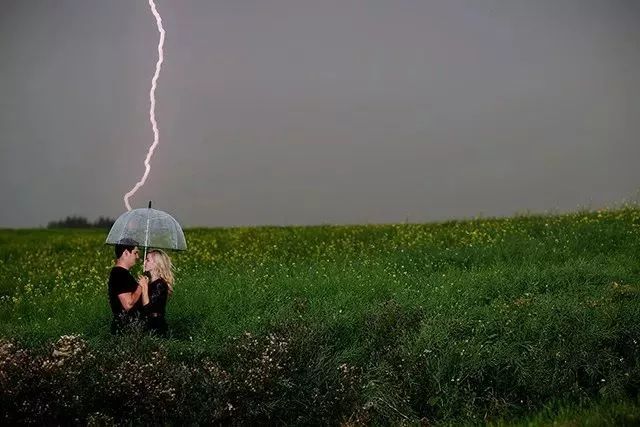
[{"x": 129, "y": 299}]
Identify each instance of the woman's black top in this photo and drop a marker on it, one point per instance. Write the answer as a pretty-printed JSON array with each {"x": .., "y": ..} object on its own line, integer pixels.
[{"x": 154, "y": 311}]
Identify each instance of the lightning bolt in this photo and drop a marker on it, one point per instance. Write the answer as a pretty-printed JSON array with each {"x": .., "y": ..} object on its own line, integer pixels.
[{"x": 152, "y": 109}]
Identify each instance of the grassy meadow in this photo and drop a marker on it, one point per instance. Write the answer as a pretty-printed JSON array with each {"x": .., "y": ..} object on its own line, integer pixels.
[{"x": 530, "y": 319}]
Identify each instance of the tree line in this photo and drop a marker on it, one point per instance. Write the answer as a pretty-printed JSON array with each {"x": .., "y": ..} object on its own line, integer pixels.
[{"x": 75, "y": 221}]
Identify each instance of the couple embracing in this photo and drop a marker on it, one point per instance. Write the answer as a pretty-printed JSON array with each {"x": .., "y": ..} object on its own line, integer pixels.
[{"x": 140, "y": 301}]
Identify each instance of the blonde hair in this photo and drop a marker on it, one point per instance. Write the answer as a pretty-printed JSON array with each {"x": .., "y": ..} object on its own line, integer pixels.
[{"x": 163, "y": 266}]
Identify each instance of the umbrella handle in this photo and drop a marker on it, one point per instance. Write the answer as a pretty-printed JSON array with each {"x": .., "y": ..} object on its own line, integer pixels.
[{"x": 146, "y": 238}]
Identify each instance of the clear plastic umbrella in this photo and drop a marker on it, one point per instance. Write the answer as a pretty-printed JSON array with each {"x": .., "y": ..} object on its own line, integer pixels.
[{"x": 148, "y": 228}]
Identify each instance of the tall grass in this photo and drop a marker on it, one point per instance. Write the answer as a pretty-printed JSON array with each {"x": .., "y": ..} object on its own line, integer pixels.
[{"x": 455, "y": 321}]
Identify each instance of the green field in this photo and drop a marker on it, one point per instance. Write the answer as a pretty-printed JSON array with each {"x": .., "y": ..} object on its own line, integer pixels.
[{"x": 531, "y": 319}]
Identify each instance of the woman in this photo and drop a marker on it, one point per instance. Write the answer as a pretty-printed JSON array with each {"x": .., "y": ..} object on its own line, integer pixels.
[{"x": 156, "y": 292}]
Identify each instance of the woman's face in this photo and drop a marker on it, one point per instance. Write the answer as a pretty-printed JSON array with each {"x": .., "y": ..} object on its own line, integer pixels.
[{"x": 149, "y": 262}]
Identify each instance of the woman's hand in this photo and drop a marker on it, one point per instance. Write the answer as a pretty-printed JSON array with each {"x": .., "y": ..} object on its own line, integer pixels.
[{"x": 143, "y": 281}]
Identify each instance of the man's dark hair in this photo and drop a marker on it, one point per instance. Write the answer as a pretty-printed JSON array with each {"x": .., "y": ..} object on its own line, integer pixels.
[{"x": 125, "y": 244}]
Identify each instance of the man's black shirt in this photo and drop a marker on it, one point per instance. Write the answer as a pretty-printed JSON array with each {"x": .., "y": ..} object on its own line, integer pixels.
[{"x": 121, "y": 281}]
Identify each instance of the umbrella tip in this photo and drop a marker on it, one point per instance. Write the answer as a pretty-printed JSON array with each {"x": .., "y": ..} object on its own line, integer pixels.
[{"x": 149, "y": 204}]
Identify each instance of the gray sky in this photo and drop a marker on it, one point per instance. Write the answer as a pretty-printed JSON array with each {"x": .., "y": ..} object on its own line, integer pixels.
[{"x": 308, "y": 112}]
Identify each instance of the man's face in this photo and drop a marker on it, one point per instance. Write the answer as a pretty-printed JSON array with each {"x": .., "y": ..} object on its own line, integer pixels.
[{"x": 132, "y": 256}]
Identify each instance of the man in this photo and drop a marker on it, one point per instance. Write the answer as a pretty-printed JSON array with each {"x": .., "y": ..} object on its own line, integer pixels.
[{"x": 124, "y": 291}]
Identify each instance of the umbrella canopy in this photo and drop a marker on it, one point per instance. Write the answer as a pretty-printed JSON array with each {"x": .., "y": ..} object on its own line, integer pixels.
[{"x": 150, "y": 228}]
